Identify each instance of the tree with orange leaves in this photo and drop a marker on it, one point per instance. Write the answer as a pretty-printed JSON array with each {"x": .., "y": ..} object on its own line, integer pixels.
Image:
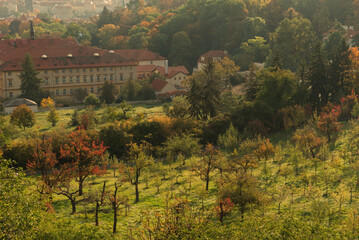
[
  {"x": 85, "y": 156},
  {"x": 264, "y": 151}
]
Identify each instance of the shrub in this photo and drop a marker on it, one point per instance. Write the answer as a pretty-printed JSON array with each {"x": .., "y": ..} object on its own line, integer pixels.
[
  {"x": 92, "y": 100},
  {"x": 23, "y": 117}
]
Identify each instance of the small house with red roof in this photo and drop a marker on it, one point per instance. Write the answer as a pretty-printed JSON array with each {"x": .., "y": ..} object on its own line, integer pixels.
[
  {"x": 166, "y": 89},
  {"x": 213, "y": 55}
]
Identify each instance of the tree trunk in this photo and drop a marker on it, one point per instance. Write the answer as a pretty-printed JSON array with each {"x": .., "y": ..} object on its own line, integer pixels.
[
  {"x": 73, "y": 203},
  {"x": 207, "y": 183},
  {"x": 114, "y": 219},
  {"x": 80, "y": 187},
  {"x": 96, "y": 212},
  {"x": 137, "y": 193}
]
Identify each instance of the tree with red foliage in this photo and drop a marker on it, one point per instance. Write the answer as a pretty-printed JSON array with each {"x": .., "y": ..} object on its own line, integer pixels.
[
  {"x": 44, "y": 161},
  {"x": 84, "y": 155},
  {"x": 328, "y": 121},
  {"x": 224, "y": 207}
]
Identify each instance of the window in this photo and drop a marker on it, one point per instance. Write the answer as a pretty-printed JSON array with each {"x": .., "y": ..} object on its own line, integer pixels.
[
  {"x": 104, "y": 69},
  {"x": 71, "y": 80},
  {"x": 9, "y": 73},
  {"x": 91, "y": 78},
  {"x": 98, "y": 78},
  {"x": 98, "y": 69},
  {"x": 10, "y": 83},
  {"x": 63, "y": 70},
  {"x": 131, "y": 75},
  {"x": 71, "y": 91},
  {"x": 10, "y": 94},
  {"x": 92, "y": 91},
  {"x": 91, "y": 70},
  {"x": 64, "y": 91},
  {"x": 70, "y": 70},
  {"x": 175, "y": 78},
  {"x": 111, "y": 77},
  {"x": 64, "y": 80},
  {"x": 46, "y": 81},
  {"x": 56, "y": 71},
  {"x": 77, "y": 70},
  {"x": 121, "y": 77},
  {"x": 85, "y": 78},
  {"x": 45, "y": 71},
  {"x": 98, "y": 89},
  {"x": 84, "y": 70},
  {"x": 179, "y": 78},
  {"x": 77, "y": 79},
  {"x": 57, "y": 92},
  {"x": 57, "y": 80},
  {"x": 104, "y": 77},
  {"x": 111, "y": 68}
]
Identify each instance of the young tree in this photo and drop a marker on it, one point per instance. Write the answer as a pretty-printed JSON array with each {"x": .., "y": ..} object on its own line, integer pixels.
[
  {"x": 116, "y": 201},
  {"x": 66, "y": 189},
  {"x": 23, "y": 116},
  {"x": 84, "y": 155},
  {"x": 30, "y": 83},
  {"x": 108, "y": 92},
  {"x": 207, "y": 164},
  {"x": 138, "y": 160},
  {"x": 328, "y": 122},
  {"x": 53, "y": 117}
]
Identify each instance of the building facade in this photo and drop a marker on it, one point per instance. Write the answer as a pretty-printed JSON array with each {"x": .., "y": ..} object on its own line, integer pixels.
[{"x": 63, "y": 66}]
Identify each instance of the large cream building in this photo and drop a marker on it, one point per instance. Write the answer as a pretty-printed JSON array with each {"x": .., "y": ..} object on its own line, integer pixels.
[{"x": 63, "y": 66}]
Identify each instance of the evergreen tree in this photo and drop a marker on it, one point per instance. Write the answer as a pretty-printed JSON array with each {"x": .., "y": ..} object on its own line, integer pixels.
[
  {"x": 204, "y": 93},
  {"x": 339, "y": 71},
  {"x": 194, "y": 98},
  {"x": 211, "y": 91},
  {"x": 318, "y": 79},
  {"x": 30, "y": 83},
  {"x": 105, "y": 18}
]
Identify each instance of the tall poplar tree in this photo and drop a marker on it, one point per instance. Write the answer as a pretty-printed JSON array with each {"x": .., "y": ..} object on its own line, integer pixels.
[{"x": 30, "y": 83}]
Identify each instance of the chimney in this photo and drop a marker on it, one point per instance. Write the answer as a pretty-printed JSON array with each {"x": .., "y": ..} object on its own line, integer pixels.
[{"x": 166, "y": 67}]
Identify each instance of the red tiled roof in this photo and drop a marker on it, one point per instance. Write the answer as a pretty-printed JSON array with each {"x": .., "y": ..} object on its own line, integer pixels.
[
  {"x": 146, "y": 68},
  {"x": 213, "y": 54},
  {"x": 139, "y": 54},
  {"x": 13, "y": 51},
  {"x": 70, "y": 62},
  {"x": 158, "y": 84},
  {"x": 172, "y": 71},
  {"x": 10, "y": 49}
]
